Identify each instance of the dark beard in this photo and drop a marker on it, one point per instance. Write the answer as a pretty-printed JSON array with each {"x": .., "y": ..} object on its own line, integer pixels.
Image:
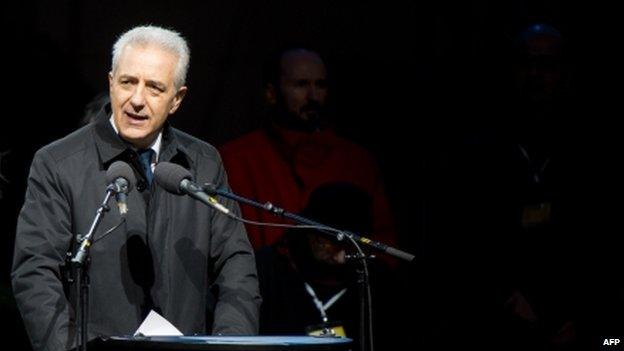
[{"x": 317, "y": 118}]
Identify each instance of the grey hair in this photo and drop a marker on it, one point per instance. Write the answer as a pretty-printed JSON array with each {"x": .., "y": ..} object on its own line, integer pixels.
[{"x": 166, "y": 39}]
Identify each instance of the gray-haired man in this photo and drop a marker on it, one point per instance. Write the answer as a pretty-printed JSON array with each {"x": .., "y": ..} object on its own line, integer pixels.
[{"x": 170, "y": 253}]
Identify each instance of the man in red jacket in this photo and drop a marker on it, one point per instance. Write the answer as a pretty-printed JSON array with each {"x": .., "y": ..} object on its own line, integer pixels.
[{"x": 296, "y": 151}]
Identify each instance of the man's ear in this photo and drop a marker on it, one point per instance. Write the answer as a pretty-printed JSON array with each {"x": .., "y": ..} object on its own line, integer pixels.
[
  {"x": 270, "y": 94},
  {"x": 110, "y": 80},
  {"x": 177, "y": 99}
]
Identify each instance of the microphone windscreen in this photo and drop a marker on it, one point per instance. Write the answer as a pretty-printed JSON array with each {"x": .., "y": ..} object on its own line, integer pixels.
[
  {"x": 169, "y": 176},
  {"x": 123, "y": 170}
]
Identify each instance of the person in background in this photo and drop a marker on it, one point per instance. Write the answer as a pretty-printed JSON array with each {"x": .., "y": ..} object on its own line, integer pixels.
[
  {"x": 309, "y": 281},
  {"x": 297, "y": 150}
]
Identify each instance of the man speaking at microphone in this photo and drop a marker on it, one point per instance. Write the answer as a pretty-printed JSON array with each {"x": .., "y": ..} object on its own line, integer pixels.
[{"x": 169, "y": 252}]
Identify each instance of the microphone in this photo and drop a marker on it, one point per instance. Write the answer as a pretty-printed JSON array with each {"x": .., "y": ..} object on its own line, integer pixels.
[
  {"x": 178, "y": 180},
  {"x": 121, "y": 179}
]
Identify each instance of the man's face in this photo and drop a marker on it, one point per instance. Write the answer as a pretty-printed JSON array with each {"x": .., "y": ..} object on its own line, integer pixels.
[
  {"x": 143, "y": 93},
  {"x": 539, "y": 74},
  {"x": 303, "y": 85},
  {"x": 326, "y": 251}
]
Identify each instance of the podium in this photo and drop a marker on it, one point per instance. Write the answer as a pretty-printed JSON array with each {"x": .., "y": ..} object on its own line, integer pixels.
[{"x": 222, "y": 343}]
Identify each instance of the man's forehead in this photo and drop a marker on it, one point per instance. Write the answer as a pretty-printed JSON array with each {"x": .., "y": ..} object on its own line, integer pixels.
[{"x": 302, "y": 63}]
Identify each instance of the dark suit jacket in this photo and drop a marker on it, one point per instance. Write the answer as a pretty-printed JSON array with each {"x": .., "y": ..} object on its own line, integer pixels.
[{"x": 170, "y": 255}]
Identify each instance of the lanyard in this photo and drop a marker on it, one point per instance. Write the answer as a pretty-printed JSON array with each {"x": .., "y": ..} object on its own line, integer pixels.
[
  {"x": 319, "y": 304},
  {"x": 538, "y": 172}
]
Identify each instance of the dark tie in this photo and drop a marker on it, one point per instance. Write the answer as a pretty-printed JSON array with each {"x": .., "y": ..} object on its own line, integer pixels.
[{"x": 145, "y": 157}]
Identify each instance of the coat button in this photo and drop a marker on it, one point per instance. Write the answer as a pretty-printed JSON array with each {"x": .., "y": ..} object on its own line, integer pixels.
[{"x": 141, "y": 185}]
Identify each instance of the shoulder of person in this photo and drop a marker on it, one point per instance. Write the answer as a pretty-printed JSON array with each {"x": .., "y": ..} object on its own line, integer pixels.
[
  {"x": 246, "y": 143},
  {"x": 70, "y": 145},
  {"x": 350, "y": 148},
  {"x": 195, "y": 145}
]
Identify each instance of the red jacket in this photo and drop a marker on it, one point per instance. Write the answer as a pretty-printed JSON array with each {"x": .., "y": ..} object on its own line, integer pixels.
[{"x": 285, "y": 166}]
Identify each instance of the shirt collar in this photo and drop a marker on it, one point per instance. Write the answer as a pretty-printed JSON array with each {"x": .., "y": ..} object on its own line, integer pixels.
[
  {"x": 112, "y": 147},
  {"x": 154, "y": 146}
]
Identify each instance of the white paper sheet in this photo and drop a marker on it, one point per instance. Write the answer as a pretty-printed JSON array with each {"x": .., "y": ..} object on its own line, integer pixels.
[{"x": 156, "y": 325}]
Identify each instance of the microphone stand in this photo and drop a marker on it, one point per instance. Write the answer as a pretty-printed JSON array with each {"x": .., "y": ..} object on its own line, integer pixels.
[
  {"x": 80, "y": 263},
  {"x": 362, "y": 271},
  {"x": 340, "y": 234}
]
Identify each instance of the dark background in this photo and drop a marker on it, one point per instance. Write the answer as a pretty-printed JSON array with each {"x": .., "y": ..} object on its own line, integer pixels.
[{"x": 414, "y": 82}]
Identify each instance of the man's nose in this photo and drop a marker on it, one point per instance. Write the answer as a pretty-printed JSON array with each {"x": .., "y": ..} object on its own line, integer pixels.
[
  {"x": 138, "y": 98},
  {"x": 313, "y": 93}
]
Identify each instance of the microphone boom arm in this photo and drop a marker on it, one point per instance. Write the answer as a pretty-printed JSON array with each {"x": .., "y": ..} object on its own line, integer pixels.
[{"x": 210, "y": 189}]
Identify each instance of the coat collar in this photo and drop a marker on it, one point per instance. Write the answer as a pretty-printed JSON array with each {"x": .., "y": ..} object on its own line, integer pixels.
[{"x": 111, "y": 147}]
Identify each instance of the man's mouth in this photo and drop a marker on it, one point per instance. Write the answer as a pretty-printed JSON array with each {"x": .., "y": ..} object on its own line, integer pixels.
[{"x": 136, "y": 117}]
